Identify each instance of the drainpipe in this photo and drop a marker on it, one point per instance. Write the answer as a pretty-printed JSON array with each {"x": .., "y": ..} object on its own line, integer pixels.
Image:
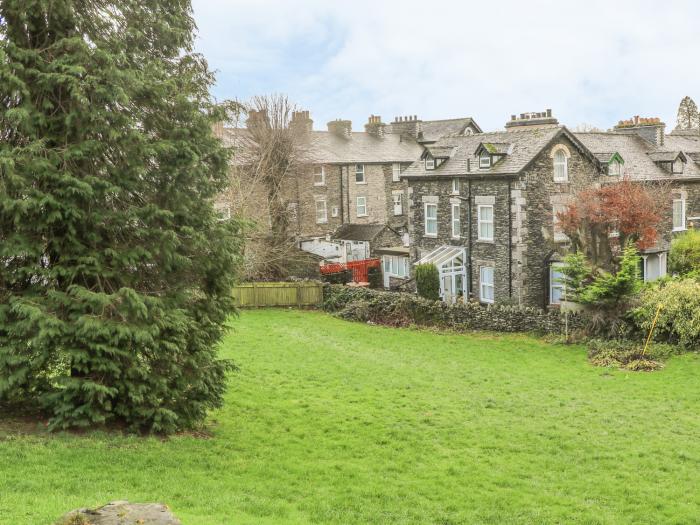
[
  {"x": 341, "y": 200},
  {"x": 469, "y": 211},
  {"x": 510, "y": 241}
]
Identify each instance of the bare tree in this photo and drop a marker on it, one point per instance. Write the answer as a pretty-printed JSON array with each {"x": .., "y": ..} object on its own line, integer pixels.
[
  {"x": 585, "y": 127},
  {"x": 269, "y": 153},
  {"x": 688, "y": 117}
]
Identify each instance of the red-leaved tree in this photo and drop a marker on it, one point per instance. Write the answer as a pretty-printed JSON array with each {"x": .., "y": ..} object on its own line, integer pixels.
[{"x": 602, "y": 220}]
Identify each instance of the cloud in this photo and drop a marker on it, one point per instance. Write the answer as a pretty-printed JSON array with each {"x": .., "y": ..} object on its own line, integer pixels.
[{"x": 594, "y": 61}]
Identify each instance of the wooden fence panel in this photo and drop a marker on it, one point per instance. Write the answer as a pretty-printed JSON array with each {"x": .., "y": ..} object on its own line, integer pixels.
[{"x": 255, "y": 295}]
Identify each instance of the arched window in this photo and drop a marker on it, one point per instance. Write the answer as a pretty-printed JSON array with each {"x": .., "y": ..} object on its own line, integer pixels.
[{"x": 561, "y": 166}]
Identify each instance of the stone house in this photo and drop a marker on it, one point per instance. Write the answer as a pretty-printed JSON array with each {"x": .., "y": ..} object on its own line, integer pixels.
[
  {"x": 483, "y": 208},
  {"x": 347, "y": 177}
]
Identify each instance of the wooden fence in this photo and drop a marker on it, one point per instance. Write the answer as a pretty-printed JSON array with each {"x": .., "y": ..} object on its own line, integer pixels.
[{"x": 303, "y": 293}]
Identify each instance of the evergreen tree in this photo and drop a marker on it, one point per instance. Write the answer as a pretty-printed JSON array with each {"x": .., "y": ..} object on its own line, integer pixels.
[
  {"x": 688, "y": 116},
  {"x": 115, "y": 274}
]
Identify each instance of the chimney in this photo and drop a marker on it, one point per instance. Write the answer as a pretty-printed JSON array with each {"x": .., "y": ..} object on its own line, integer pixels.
[
  {"x": 650, "y": 129},
  {"x": 341, "y": 128},
  {"x": 409, "y": 126},
  {"x": 536, "y": 119},
  {"x": 375, "y": 126},
  {"x": 257, "y": 118},
  {"x": 301, "y": 120}
]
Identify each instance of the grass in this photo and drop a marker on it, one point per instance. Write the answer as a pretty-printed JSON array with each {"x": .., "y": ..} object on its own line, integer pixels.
[{"x": 334, "y": 422}]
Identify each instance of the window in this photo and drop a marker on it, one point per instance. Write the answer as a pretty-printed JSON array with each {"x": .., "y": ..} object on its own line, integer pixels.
[
  {"x": 359, "y": 173},
  {"x": 321, "y": 211},
  {"x": 559, "y": 235},
  {"x": 486, "y": 294},
  {"x": 678, "y": 214},
  {"x": 561, "y": 167},
  {"x": 334, "y": 211},
  {"x": 615, "y": 168},
  {"x": 653, "y": 266},
  {"x": 429, "y": 164},
  {"x": 223, "y": 211},
  {"x": 319, "y": 175},
  {"x": 398, "y": 204},
  {"x": 484, "y": 161},
  {"x": 456, "y": 225},
  {"x": 485, "y": 222},
  {"x": 431, "y": 224},
  {"x": 362, "y": 206},
  {"x": 677, "y": 166},
  {"x": 396, "y": 265},
  {"x": 556, "y": 286},
  {"x": 455, "y": 186},
  {"x": 396, "y": 172}
]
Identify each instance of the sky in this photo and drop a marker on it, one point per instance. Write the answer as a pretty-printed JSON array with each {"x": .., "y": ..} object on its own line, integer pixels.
[{"x": 592, "y": 62}]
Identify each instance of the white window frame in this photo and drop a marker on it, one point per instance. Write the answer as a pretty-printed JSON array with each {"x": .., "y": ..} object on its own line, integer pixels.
[
  {"x": 455, "y": 186},
  {"x": 396, "y": 172},
  {"x": 429, "y": 164},
  {"x": 559, "y": 154},
  {"x": 618, "y": 168},
  {"x": 481, "y": 222},
  {"x": 430, "y": 220},
  {"x": 556, "y": 285},
  {"x": 323, "y": 176},
  {"x": 363, "y": 206},
  {"x": 456, "y": 220},
  {"x": 674, "y": 169},
  {"x": 396, "y": 266},
  {"x": 682, "y": 226},
  {"x": 321, "y": 218},
  {"x": 360, "y": 171},
  {"x": 484, "y": 161},
  {"x": 484, "y": 285},
  {"x": 398, "y": 203},
  {"x": 334, "y": 211}
]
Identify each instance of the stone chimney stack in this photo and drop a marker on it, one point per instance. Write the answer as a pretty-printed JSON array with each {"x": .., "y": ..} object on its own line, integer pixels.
[
  {"x": 257, "y": 118},
  {"x": 650, "y": 129},
  {"x": 340, "y": 128},
  {"x": 375, "y": 126},
  {"x": 301, "y": 120},
  {"x": 408, "y": 126},
  {"x": 541, "y": 119}
]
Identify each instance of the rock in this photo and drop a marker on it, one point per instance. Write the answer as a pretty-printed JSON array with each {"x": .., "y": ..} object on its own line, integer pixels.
[{"x": 121, "y": 513}]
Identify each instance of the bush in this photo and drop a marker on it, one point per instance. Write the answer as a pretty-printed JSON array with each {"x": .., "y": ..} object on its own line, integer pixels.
[
  {"x": 622, "y": 354},
  {"x": 428, "y": 281},
  {"x": 684, "y": 257},
  {"x": 608, "y": 289},
  {"x": 679, "y": 318},
  {"x": 374, "y": 276},
  {"x": 341, "y": 277}
]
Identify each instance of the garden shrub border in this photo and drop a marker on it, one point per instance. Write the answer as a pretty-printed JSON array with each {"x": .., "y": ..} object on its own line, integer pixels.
[{"x": 405, "y": 309}]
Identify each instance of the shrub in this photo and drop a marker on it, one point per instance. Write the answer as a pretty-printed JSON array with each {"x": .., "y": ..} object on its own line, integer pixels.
[
  {"x": 607, "y": 289},
  {"x": 679, "y": 318},
  {"x": 684, "y": 256},
  {"x": 576, "y": 272},
  {"x": 428, "y": 281},
  {"x": 621, "y": 354},
  {"x": 341, "y": 277},
  {"x": 374, "y": 276}
]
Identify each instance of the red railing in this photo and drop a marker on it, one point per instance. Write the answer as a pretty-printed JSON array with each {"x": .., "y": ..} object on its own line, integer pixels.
[{"x": 360, "y": 269}]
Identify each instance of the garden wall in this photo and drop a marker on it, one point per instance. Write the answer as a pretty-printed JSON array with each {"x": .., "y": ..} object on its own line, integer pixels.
[{"x": 403, "y": 309}]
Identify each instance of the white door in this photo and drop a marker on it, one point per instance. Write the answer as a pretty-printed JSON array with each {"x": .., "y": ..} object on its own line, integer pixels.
[{"x": 387, "y": 270}]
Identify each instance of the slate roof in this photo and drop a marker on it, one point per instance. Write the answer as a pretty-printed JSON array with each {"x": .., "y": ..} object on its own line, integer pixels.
[
  {"x": 665, "y": 156},
  {"x": 638, "y": 154},
  {"x": 358, "y": 232},
  {"x": 685, "y": 143},
  {"x": 523, "y": 145},
  {"x": 433, "y": 130}
]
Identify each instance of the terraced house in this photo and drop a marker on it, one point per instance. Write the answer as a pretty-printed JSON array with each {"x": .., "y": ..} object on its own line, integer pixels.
[
  {"x": 348, "y": 198},
  {"x": 483, "y": 207}
]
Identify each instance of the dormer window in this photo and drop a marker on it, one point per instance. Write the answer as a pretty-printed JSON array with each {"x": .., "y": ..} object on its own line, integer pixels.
[
  {"x": 429, "y": 163},
  {"x": 484, "y": 161},
  {"x": 455, "y": 186},
  {"x": 615, "y": 168},
  {"x": 678, "y": 165}
]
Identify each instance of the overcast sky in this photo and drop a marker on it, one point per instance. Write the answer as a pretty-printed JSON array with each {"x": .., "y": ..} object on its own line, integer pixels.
[{"x": 593, "y": 62}]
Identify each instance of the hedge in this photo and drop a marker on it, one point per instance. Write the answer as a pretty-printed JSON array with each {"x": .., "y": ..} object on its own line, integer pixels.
[{"x": 404, "y": 309}]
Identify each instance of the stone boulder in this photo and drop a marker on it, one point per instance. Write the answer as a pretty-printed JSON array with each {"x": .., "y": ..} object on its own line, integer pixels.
[{"x": 121, "y": 513}]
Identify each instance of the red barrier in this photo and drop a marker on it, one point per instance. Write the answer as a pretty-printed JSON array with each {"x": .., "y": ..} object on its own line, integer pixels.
[{"x": 360, "y": 269}]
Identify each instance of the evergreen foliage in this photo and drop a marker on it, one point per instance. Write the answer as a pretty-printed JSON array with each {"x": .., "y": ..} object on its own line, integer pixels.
[
  {"x": 428, "y": 281},
  {"x": 684, "y": 257},
  {"x": 115, "y": 274}
]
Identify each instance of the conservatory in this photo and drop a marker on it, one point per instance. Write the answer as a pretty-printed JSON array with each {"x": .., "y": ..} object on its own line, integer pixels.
[{"x": 451, "y": 262}]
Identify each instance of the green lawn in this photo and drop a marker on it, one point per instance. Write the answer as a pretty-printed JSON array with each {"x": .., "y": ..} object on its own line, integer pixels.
[{"x": 334, "y": 422}]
